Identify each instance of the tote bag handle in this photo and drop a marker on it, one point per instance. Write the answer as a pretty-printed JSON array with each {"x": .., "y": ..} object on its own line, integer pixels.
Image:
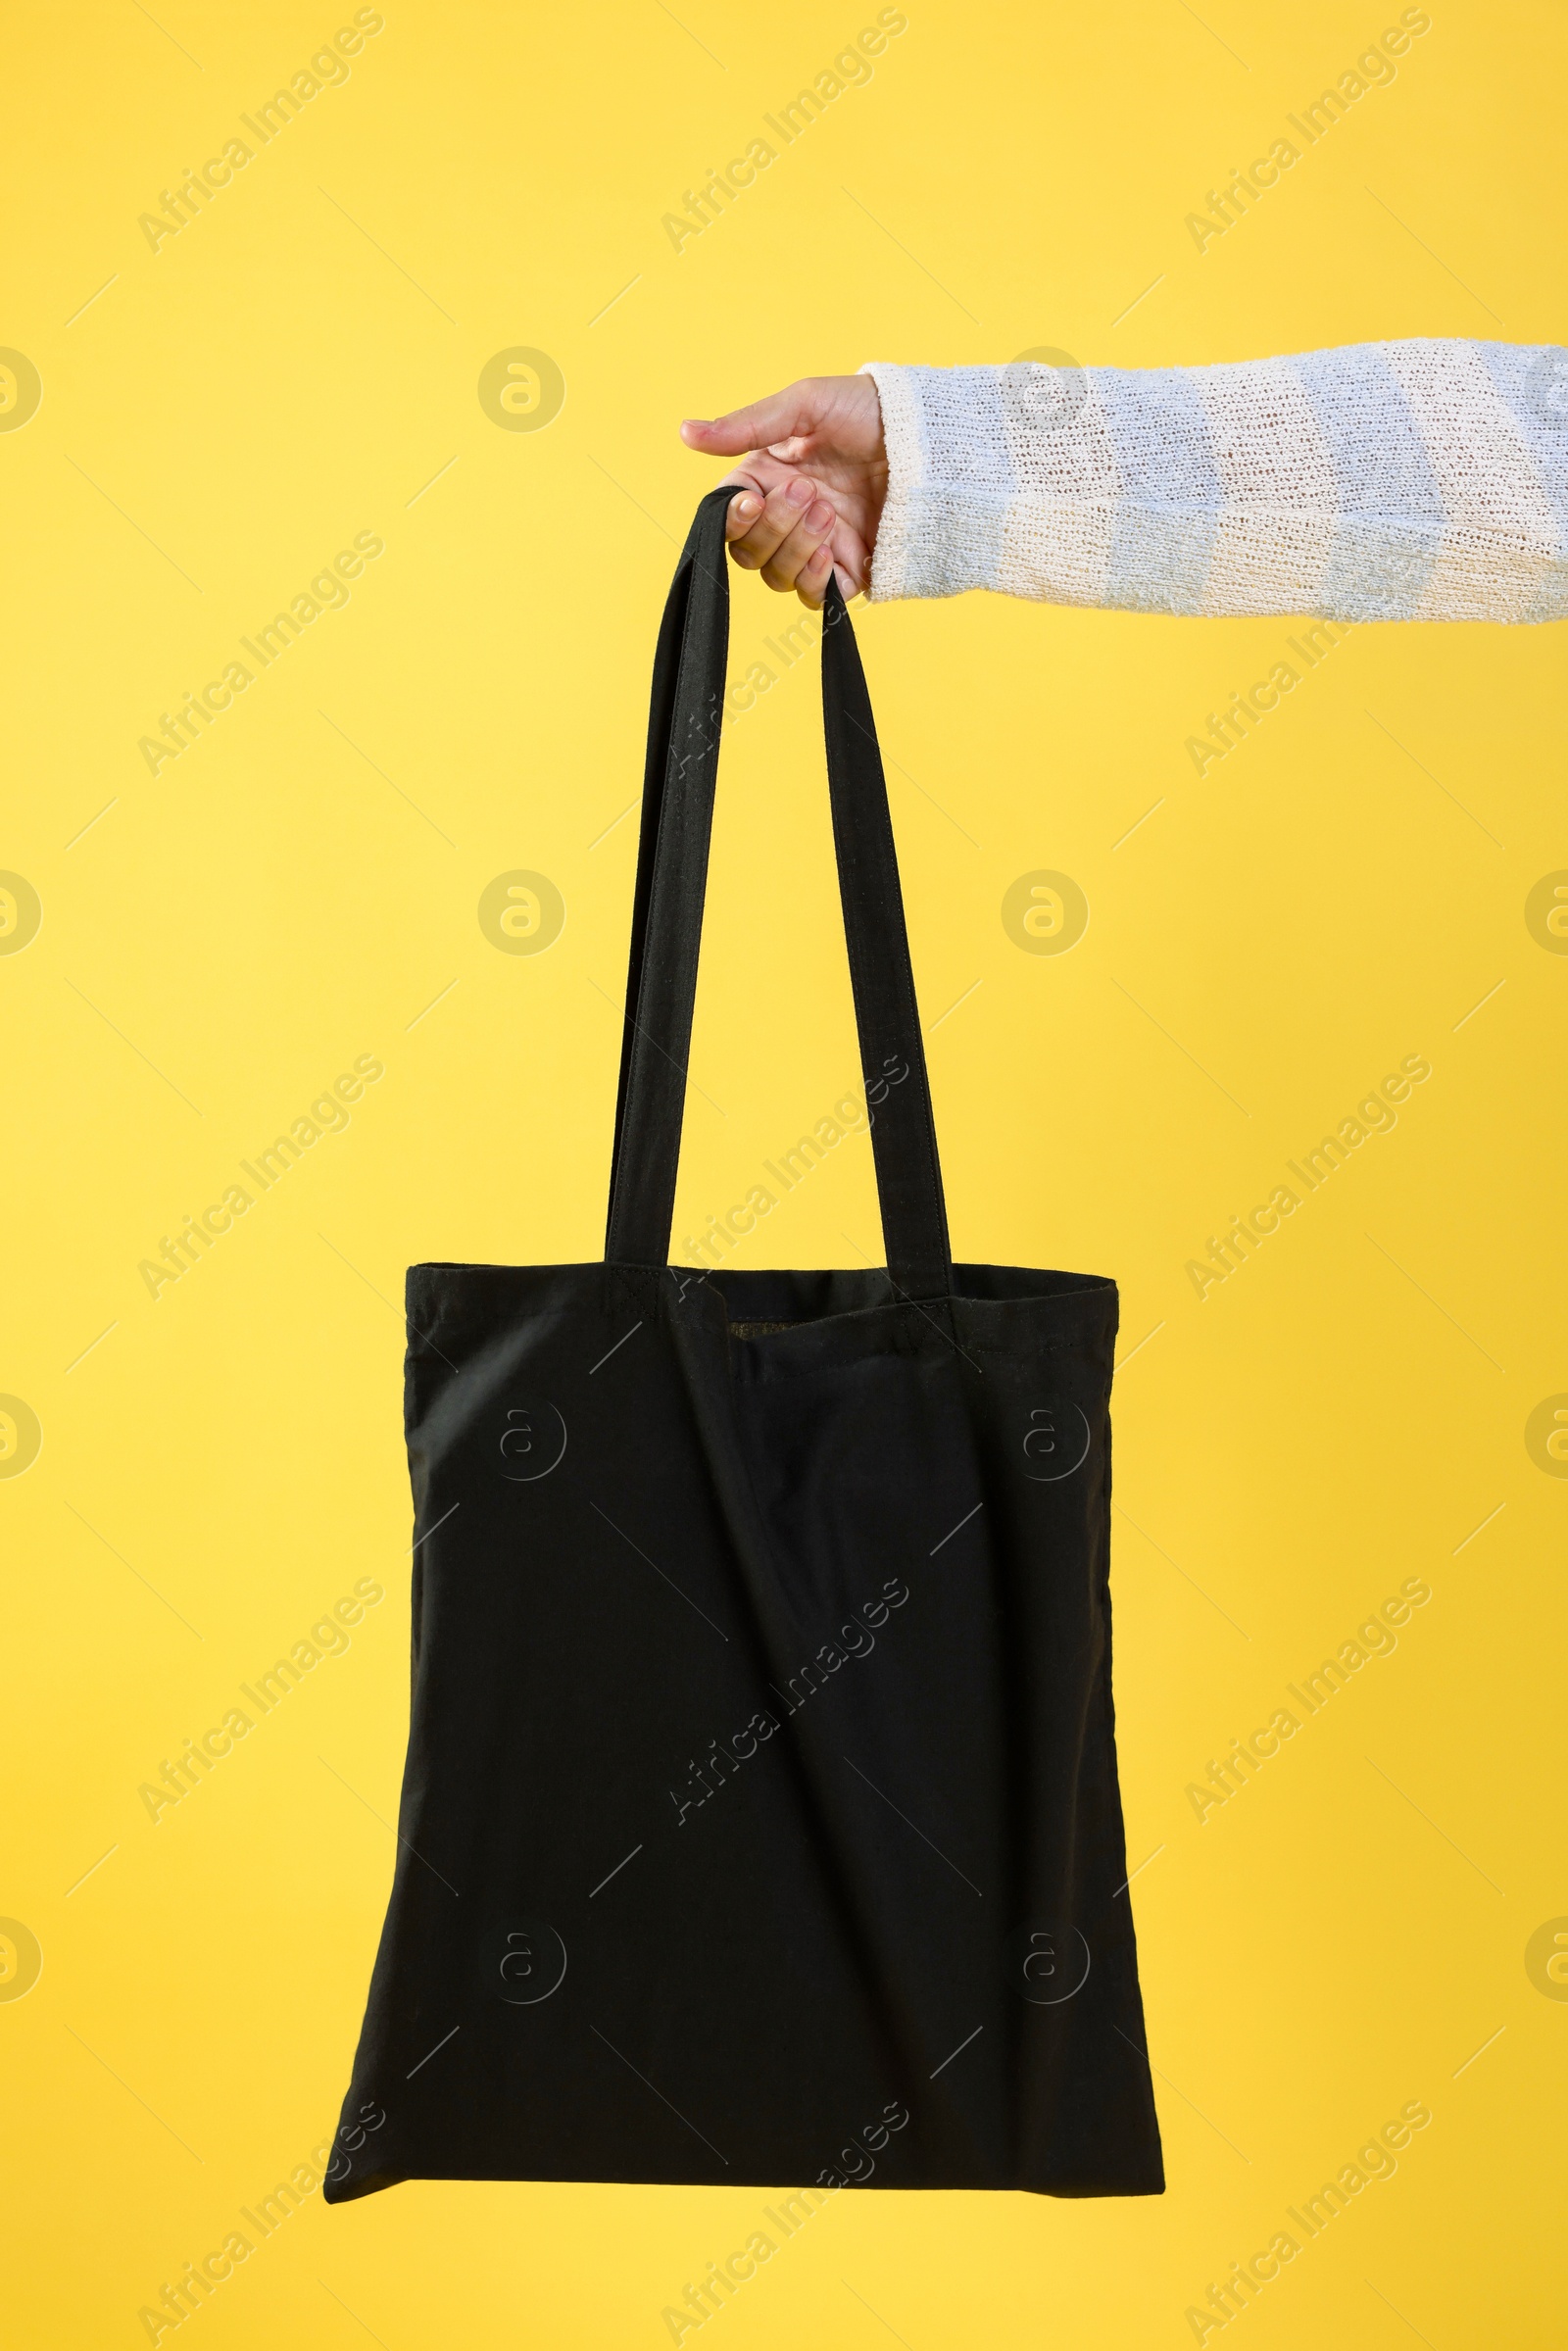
[{"x": 685, "y": 723}]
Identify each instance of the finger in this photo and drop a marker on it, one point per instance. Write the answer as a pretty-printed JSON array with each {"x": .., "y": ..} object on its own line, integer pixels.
[
  {"x": 811, "y": 531},
  {"x": 776, "y": 419},
  {"x": 768, "y": 531},
  {"x": 810, "y": 584},
  {"x": 851, "y": 558},
  {"x": 758, "y": 471},
  {"x": 741, "y": 513}
]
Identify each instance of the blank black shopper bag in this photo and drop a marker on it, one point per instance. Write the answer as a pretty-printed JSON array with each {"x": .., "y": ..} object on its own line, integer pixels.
[{"x": 761, "y": 1822}]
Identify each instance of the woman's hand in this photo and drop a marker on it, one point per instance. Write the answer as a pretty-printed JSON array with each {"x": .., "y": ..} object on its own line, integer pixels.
[{"x": 813, "y": 477}]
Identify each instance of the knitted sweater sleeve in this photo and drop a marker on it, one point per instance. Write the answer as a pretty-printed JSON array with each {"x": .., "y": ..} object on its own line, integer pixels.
[{"x": 1385, "y": 481}]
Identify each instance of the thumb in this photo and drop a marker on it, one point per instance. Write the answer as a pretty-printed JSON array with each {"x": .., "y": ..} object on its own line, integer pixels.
[{"x": 764, "y": 421}]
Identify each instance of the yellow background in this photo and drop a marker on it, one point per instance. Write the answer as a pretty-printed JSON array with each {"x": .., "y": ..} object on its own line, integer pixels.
[{"x": 222, "y": 1463}]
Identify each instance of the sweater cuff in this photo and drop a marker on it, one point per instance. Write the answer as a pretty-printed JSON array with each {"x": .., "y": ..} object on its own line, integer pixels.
[{"x": 941, "y": 525}]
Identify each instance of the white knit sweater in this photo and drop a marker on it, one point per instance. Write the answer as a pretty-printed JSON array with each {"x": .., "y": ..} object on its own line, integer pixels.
[{"x": 1385, "y": 481}]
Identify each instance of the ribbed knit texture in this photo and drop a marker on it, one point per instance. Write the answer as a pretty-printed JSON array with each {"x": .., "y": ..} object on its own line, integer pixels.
[{"x": 1385, "y": 481}]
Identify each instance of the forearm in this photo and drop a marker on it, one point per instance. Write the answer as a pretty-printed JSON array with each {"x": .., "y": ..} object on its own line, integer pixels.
[{"x": 1385, "y": 481}]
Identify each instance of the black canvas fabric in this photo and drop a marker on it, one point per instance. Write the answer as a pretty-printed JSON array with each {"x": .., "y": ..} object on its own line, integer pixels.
[{"x": 760, "y": 1821}]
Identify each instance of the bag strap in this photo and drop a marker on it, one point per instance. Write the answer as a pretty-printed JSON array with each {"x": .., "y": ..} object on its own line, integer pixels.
[{"x": 685, "y": 723}]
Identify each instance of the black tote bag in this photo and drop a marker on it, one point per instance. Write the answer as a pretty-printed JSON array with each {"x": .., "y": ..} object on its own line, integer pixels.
[{"x": 760, "y": 1821}]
